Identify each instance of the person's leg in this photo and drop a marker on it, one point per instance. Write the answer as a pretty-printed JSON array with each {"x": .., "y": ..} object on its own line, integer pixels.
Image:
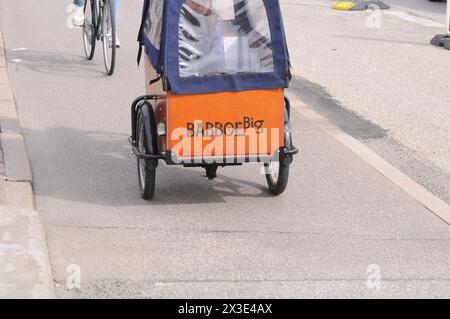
[
  {"x": 79, "y": 3},
  {"x": 116, "y": 11},
  {"x": 78, "y": 15},
  {"x": 115, "y": 4},
  {"x": 116, "y": 15}
]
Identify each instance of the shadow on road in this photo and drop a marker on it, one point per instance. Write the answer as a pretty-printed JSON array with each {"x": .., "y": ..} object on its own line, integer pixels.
[
  {"x": 318, "y": 98},
  {"x": 55, "y": 63},
  {"x": 98, "y": 168}
]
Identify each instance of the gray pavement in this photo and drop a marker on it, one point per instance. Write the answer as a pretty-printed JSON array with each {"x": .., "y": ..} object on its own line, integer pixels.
[
  {"x": 390, "y": 77},
  {"x": 425, "y": 8},
  {"x": 24, "y": 264},
  {"x": 226, "y": 238}
]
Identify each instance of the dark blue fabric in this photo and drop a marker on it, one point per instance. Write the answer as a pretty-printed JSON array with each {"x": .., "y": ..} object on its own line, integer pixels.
[
  {"x": 155, "y": 55},
  {"x": 169, "y": 58},
  {"x": 152, "y": 53}
]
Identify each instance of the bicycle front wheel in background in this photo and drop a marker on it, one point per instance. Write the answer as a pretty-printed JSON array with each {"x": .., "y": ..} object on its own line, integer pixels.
[
  {"x": 109, "y": 37},
  {"x": 89, "y": 28}
]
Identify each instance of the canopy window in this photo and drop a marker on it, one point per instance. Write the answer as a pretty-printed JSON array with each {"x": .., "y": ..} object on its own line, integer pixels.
[{"x": 224, "y": 37}]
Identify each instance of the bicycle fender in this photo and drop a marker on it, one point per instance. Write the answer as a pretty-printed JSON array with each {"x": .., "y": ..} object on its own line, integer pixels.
[{"x": 150, "y": 127}]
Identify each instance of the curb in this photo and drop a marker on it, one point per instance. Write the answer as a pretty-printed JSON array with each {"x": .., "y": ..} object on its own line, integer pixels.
[
  {"x": 404, "y": 182},
  {"x": 25, "y": 267}
]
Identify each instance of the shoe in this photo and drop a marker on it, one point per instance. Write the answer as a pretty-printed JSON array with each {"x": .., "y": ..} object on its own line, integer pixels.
[
  {"x": 78, "y": 16},
  {"x": 110, "y": 41}
]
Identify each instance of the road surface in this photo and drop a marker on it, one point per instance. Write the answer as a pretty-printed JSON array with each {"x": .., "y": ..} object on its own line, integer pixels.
[
  {"x": 425, "y": 8},
  {"x": 340, "y": 224}
]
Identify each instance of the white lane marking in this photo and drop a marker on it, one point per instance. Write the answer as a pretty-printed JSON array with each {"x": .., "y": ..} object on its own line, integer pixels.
[
  {"x": 16, "y": 60},
  {"x": 19, "y": 49},
  {"x": 415, "y": 19},
  {"x": 317, "y": 3},
  {"x": 418, "y": 192}
]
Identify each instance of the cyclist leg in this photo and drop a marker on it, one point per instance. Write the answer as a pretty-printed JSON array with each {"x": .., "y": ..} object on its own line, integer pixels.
[
  {"x": 116, "y": 11},
  {"x": 116, "y": 16},
  {"x": 78, "y": 15},
  {"x": 115, "y": 4}
]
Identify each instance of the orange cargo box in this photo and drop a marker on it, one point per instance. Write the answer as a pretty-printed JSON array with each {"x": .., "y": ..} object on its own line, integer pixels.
[{"x": 238, "y": 124}]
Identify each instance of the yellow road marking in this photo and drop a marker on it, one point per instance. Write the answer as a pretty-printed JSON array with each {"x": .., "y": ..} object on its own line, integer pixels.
[{"x": 343, "y": 5}]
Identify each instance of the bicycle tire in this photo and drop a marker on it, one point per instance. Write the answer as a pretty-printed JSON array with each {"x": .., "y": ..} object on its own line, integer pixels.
[
  {"x": 108, "y": 19},
  {"x": 90, "y": 28}
]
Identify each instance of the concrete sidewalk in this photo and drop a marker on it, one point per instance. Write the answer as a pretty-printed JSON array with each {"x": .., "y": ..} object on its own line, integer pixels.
[{"x": 24, "y": 263}]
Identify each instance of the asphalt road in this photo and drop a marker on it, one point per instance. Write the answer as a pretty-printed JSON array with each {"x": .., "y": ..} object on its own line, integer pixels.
[
  {"x": 433, "y": 10},
  {"x": 226, "y": 238},
  {"x": 378, "y": 67}
]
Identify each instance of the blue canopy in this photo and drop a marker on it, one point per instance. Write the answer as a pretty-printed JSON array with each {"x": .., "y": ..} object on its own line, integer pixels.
[{"x": 238, "y": 54}]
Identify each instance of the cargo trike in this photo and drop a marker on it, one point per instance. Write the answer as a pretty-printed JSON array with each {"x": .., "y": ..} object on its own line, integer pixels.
[{"x": 216, "y": 71}]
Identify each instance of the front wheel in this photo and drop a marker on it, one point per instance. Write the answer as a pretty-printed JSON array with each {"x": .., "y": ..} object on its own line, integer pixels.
[
  {"x": 277, "y": 169},
  {"x": 109, "y": 37},
  {"x": 277, "y": 176},
  {"x": 146, "y": 171},
  {"x": 89, "y": 28}
]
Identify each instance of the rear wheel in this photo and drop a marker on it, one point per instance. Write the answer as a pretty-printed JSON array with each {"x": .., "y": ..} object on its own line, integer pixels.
[
  {"x": 109, "y": 37},
  {"x": 146, "y": 171},
  {"x": 277, "y": 176},
  {"x": 89, "y": 28},
  {"x": 277, "y": 169}
]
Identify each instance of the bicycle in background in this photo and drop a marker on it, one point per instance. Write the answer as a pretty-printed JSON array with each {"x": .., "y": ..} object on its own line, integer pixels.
[{"x": 100, "y": 25}]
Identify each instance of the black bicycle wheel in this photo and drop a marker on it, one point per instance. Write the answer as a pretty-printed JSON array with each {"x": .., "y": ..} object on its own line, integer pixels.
[
  {"x": 109, "y": 37},
  {"x": 277, "y": 176},
  {"x": 277, "y": 170},
  {"x": 146, "y": 171},
  {"x": 89, "y": 28}
]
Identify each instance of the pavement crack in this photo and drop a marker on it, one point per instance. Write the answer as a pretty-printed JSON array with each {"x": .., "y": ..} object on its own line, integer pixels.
[{"x": 259, "y": 232}]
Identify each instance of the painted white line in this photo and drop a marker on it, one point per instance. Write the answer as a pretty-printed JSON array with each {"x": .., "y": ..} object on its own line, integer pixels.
[
  {"x": 317, "y": 3},
  {"x": 16, "y": 60},
  {"x": 415, "y": 19},
  {"x": 19, "y": 49},
  {"x": 418, "y": 192}
]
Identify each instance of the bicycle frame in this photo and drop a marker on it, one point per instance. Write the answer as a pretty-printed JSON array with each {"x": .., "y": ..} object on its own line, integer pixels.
[{"x": 100, "y": 4}]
